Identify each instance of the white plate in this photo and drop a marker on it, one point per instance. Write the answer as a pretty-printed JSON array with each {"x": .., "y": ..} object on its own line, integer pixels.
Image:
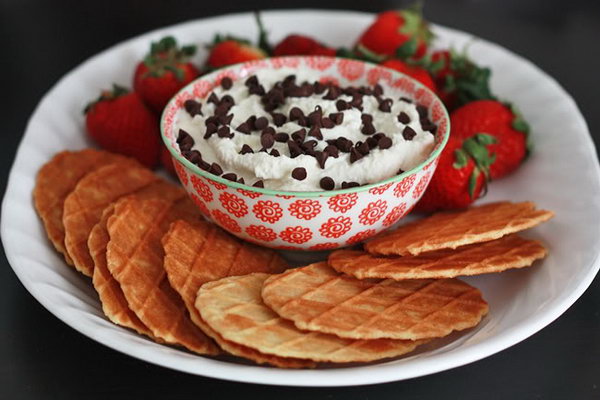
[{"x": 561, "y": 175}]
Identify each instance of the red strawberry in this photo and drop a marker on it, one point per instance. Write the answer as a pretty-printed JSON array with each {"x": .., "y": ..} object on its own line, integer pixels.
[
  {"x": 461, "y": 175},
  {"x": 163, "y": 72},
  {"x": 502, "y": 122},
  {"x": 167, "y": 161},
  {"x": 299, "y": 45},
  {"x": 414, "y": 71},
  {"x": 402, "y": 33},
  {"x": 228, "y": 51},
  {"x": 120, "y": 122},
  {"x": 458, "y": 79}
]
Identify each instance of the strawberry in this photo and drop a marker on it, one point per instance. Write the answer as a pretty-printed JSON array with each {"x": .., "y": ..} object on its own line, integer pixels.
[
  {"x": 414, "y": 71},
  {"x": 163, "y": 72},
  {"x": 299, "y": 45},
  {"x": 461, "y": 175},
  {"x": 458, "y": 79},
  {"x": 120, "y": 122},
  {"x": 501, "y": 121},
  {"x": 403, "y": 34},
  {"x": 228, "y": 50},
  {"x": 167, "y": 161}
]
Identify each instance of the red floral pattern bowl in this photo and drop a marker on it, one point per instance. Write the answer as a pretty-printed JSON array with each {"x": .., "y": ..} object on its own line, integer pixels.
[{"x": 308, "y": 220}]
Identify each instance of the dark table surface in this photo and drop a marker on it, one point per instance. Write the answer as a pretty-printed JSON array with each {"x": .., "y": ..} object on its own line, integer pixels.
[{"x": 42, "y": 358}]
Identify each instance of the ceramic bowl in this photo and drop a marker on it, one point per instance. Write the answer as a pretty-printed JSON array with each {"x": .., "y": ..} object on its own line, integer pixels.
[{"x": 320, "y": 220}]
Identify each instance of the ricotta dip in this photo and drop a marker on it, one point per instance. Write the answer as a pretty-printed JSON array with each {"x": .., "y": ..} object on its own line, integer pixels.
[{"x": 283, "y": 130}]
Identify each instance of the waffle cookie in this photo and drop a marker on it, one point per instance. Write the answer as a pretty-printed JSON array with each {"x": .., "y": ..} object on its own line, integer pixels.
[
  {"x": 498, "y": 255},
  {"x": 317, "y": 298},
  {"x": 449, "y": 230},
  {"x": 233, "y": 307},
  {"x": 199, "y": 252},
  {"x": 135, "y": 259},
  {"x": 55, "y": 180},
  {"x": 114, "y": 303}
]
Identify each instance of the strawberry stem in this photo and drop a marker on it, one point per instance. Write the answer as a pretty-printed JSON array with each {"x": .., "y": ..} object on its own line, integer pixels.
[{"x": 263, "y": 35}]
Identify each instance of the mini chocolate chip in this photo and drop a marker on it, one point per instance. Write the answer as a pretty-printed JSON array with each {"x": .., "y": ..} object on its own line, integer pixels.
[
  {"x": 210, "y": 129},
  {"x": 275, "y": 153},
  {"x": 333, "y": 93},
  {"x": 289, "y": 80},
  {"x": 193, "y": 107},
  {"x": 241, "y": 180},
  {"x": 405, "y": 99},
  {"x": 366, "y": 118},
  {"x": 213, "y": 98},
  {"x": 299, "y": 135},
  {"x": 321, "y": 157},
  {"x": 257, "y": 90},
  {"x": 341, "y": 105},
  {"x": 215, "y": 169},
  {"x": 261, "y": 123},
  {"x": 315, "y": 131},
  {"x": 299, "y": 173},
  {"x": 363, "y": 148},
  {"x": 368, "y": 129},
  {"x": 251, "y": 81},
  {"x": 295, "y": 114},
  {"x": 357, "y": 102},
  {"x": 337, "y": 118},
  {"x": 246, "y": 149},
  {"x": 332, "y": 151},
  {"x": 268, "y": 130},
  {"x": 377, "y": 90},
  {"x": 251, "y": 121},
  {"x": 258, "y": 184},
  {"x": 185, "y": 140},
  {"x": 348, "y": 185},
  {"x": 281, "y": 137},
  {"x": 327, "y": 123},
  {"x": 403, "y": 118},
  {"x": 204, "y": 165},
  {"x": 212, "y": 120},
  {"x": 303, "y": 121},
  {"x": 365, "y": 90},
  {"x": 226, "y": 119},
  {"x": 378, "y": 136},
  {"x": 193, "y": 156},
  {"x": 243, "y": 128},
  {"x": 422, "y": 110},
  {"x": 230, "y": 176},
  {"x": 371, "y": 142},
  {"x": 408, "y": 133},
  {"x": 267, "y": 140},
  {"x": 385, "y": 105},
  {"x": 384, "y": 143},
  {"x": 295, "y": 149},
  {"x": 327, "y": 183},
  {"x": 355, "y": 155},
  {"x": 182, "y": 135},
  {"x": 263, "y": 150},
  {"x": 320, "y": 87},
  {"x": 400, "y": 171},
  {"x": 226, "y": 83},
  {"x": 224, "y": 132},
  {"x": 227, "y": 100},
  {"x": 343, "y": 144},
  {"x": 279, "y": 119},
  {"x": 315, "y": 117}
]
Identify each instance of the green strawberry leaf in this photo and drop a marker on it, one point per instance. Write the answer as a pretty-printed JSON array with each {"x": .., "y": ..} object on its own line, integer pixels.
[
  {"x": 407, "y": 49},
  {"x": 473, "y": 182},
  {"x": 460, "y": 159}
]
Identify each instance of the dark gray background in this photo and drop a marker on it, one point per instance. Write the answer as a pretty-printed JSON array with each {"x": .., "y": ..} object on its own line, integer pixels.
[{"x": 42, "y": 358}]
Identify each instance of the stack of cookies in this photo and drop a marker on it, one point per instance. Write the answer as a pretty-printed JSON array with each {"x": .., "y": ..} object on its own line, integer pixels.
[{"x": 163, "y": 271}]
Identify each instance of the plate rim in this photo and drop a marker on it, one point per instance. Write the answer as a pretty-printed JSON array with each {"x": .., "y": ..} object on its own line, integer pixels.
[{"x": 335, "y": 377}]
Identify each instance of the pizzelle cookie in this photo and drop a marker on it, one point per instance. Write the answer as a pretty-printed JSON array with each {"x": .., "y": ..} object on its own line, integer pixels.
[
  {"x": 135, "y": 259},
  {"x": 197, "y": 252},
  {"x": 458, "y": 228},
  {"x": 498, "y": 255},
  {"x": 233, "y": 307},
  {"x": 55, "y": 180},
  {"x": 317, "y": 298}
]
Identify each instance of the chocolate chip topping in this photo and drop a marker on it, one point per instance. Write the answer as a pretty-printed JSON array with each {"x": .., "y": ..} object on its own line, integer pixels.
[
  {"x": 261, "y": 123},
  {"x": 403, "y": 118},
  {"x": 422, "y": 110},
  {"x": 337, "y": 118},
  {"x": 251, "y": 121},
  {"x": 327, "y": 183},
  {"x": 267, "y": 140},
  {"x": 295, "y": 149},
  {"x": 226, "y": 83},
  {"x": 355, "y": 155},
  {"x": 246, "y": 149},
  {"x": 368, "y": 129},
  {"x": 333, "y": 93},
  {"x": 408, "y": 133},
  {"x": 366, "y": 118},
  {"x": 193, "y": 107},
  {"x": 384, "y": 143},
  {"x": 296, "y": 113},
  {"x": 244, "y": 128},
  {"x": 315, "y": 131},
  {"x": 321, "y": 157},
  {"x": 299, "y": 173},
  {"x": 251, "y": 81},
  {"x": 213, "y": 98},
  {"x": 378, "y": 90},
  {"x": 258, "y": 184},
  {"x": 224, "y": 132},
  {"x": 281, "y": 137},
  {"x": 341, "y": 105},
  {"x": 225, "y": 119},
  {"x": 279, "y": 119},
  {"x": 343, "y": 144},
  {"x": 274, "y": 153},
  {"x": 204, "y": 165},
  {"x": 210, "y": 129},
  {"x": 193, "y": 156},
  {"x": 327, "y": 123},
  {"x": 363, "y": 148},
  {"x": 241, "y": 180},
  {"x": 258, "y": 90},
  {"x": 319, "y": 87},
  {"x": 371, "y": 142},
  {"x": 215, "y": 169},
  {"x": 348, "y": 185},
  {"x": 230, "y": 176},
  {"x": 299, "y": 135},
  {"x": 332, "y": 150},
  {"x": 185, "y": 140},
  {"x": 406, "y": 100}
]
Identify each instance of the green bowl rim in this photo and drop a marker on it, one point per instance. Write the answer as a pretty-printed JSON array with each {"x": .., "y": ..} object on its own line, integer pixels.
[{"x": 303, "y": 194}]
